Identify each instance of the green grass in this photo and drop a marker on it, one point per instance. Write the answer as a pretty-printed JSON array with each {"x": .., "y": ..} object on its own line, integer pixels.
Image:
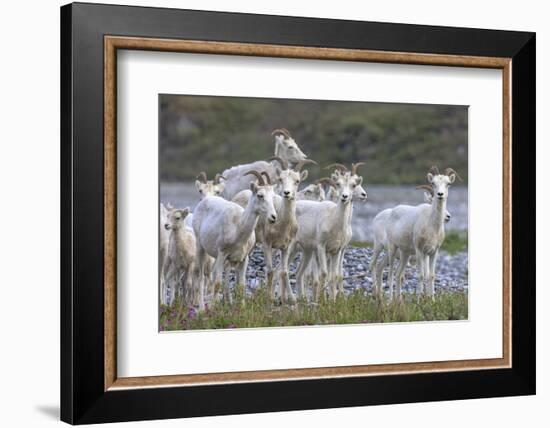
[
  {"x": 455, "y": 242},
  {"x": 357, "y": 308}
]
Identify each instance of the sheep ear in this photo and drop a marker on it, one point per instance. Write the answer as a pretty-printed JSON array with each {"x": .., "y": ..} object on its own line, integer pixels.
[
  {"x": 427, "y": 197},
  {"x": 185, "y": 212},
  {"x": 198, "y": 184},
  {"x": 430, "y": 177},
  {"x": 452, "y": 178},
  {"x": 359, "y": 181},
  {"x": 254, "y": 187},
  {"x": 304, "y": 175}
]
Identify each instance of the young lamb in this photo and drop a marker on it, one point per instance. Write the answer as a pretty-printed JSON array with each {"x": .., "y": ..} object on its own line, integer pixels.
[
  {"x": 409, "y": 230},
  {"x": 205, "y": 188},
  {"x": 225, "y": 231},
  {"x": 285, "y": 148},
  {"x": 180, "y": 257},
  {"x": 323, "y": 231}
]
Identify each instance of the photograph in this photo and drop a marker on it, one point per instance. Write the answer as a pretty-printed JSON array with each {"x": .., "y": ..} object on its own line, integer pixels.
[{"x": 291, "y": 212}]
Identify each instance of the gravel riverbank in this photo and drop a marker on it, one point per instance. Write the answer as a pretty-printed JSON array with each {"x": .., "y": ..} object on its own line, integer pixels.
[{"x": 451, "y": 271}]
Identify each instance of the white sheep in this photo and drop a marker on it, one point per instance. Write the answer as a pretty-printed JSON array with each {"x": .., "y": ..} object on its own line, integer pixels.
[
  {"x": 359, "y": 193},
  {"x": 163, "y": 249},
  {"x": 285, "y": 148},
  {"x": 413, "y": 230},
  {"x": 205, "y": 188},
  {"x": 312, "y": 192},
  {"x": 322, "y": 233},
  {"x": 280, "y": 235},
  {"x": 225, "y": 231},
  {"x": 180, "y": 256}
]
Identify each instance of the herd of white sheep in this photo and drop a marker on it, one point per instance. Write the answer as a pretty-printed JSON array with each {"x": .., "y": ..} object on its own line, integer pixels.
[{"x": 260, "y": 204}]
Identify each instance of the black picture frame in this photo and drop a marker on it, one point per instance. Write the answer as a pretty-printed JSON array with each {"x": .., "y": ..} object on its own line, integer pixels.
[{"x": 83, "y": 399}]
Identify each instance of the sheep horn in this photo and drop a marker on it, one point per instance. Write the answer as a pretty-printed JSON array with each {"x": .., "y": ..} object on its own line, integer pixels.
[
  {"x": 337, "y": 166},
  {"x": 327, "y": 180},
  {"x": 434, "y": 170},
  {"x": 267, "y": 177},
  {"x": 257, "y": 175},
  {"x": 217, "y": 178},
  {"x": 202, "y": 177},
  {"x": 301, "y": 164},
  {"x": 426, "y": 187},
  {"x": 281, "y": 131},
  {"x": 354, "y": 167},
  {"x": 284, "y": 164},
  {"x": 449, "y": 171}
]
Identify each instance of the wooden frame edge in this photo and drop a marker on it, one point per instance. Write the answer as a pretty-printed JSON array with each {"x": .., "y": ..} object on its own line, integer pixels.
[
  {"x": 112, "y": 43},
  {"x": 109, "y": 198}
]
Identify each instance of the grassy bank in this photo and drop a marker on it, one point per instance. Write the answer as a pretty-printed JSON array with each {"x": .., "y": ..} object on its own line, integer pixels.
[
  {"x": 357, "y": 308},
  {"x": 455, "y": 242}
]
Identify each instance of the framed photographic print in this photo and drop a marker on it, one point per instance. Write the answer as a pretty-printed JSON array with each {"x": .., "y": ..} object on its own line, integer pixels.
[{"x": 265, "y": 213}]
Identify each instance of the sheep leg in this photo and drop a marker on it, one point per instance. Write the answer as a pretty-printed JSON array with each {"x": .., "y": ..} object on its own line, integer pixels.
[
  {"x": 426, "y": 273},
  {"x": 333, "y": 273},
  {"x": 241, "y": 280},
  {"x": 404, "y": 259},
  {"x": 167, "y": 270},
  {"x": 218, "y": 275},
  {"x": 306, "y": 257},
  {"x": 284, "y": 278},
  {"x": 378, "y": 277},
  {"x": 189, "y": 289},
  {"x": 420, "y": 261},
  {"x": 268, "y": 258},
  {"x": 226, "y": 289},
  {"x": 162, "y": 284},
  {"x": 200, "y": 275},
  {"x": 373, "y": 268},
  {"x": 339, "y": 269},
  {"x": 431, "y": 275},
  {"x": 391, "y": 259},
  {"x": 321, "y": 257}
]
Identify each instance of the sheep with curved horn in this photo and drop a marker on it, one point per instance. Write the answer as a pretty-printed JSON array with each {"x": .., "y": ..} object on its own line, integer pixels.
[
  {"x": 322, "y": 232},
  {"x": 279, "y": 236},
  {"x": 359, "y": 193},
  {"x": 338, "y": 166},
  {"x": 428, "y": 198},
  {"x": 225, "y": 231},
  {"x": 449, "y": 171},
  {"x": 286, "y": 149},
  {"x": 408, "y": 230}
]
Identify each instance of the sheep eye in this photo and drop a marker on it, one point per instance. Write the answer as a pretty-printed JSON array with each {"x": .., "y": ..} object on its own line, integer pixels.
[
  {"x": 260, "y": 196},
  {"x": 297, "y": 182},
  {"x": 200, "y": 190}
]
